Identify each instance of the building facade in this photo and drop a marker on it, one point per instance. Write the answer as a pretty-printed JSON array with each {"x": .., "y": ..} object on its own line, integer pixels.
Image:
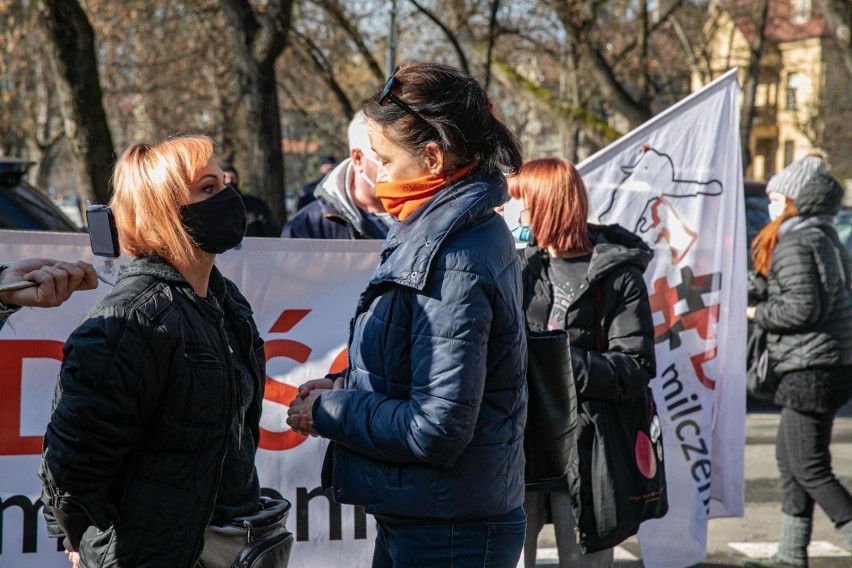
[{"x": 803, "y": 102}]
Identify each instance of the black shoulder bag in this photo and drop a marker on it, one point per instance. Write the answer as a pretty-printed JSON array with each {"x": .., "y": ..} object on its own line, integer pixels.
[
  {"x": 549, "y": 435},
  {"x": 620, "y": 478},
  {"x": 549, "y": 444},
  {"x": 761, "y": 380}
]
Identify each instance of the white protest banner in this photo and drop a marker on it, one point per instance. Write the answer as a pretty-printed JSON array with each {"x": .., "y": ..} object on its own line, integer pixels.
[
  {"x": 676, "y": 181},
  {"x": 303, "y": 294}
]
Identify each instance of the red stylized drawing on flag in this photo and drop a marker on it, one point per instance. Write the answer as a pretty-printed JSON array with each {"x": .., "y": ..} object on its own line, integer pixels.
[
  {"x": 653, "y": 181},
  {"x": 671, "y": 228},
  {"x": 697, "y": 316}
]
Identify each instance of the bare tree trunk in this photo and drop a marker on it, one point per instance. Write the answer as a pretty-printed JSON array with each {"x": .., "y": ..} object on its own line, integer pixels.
[
  {"x": 492, "y": 36},
  {"x": 46, "y": 133},
  {"x": 840, "y": 25},
  {"x": 700, "y": 68},
  {"x": 71, "y": 50},
  {"x": 258, "y": 46},
  {"x": 644, "y": 78},
  {"x": 570, "y": 88},
  {"x": 751, "y": 80}
]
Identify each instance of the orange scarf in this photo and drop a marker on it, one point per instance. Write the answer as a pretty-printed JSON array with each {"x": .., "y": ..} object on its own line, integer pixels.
[{"x": 402, "y": 198}]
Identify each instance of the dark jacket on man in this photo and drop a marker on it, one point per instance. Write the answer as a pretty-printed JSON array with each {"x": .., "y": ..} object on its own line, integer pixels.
[
  {"x": 332, "y": 215},
  {"x": 808, "y": 309},
  {"x": 431, "y": 422},
  {"x": 145, "y": 402}
]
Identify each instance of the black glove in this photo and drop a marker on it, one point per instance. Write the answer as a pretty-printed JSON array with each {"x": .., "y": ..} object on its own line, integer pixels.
[
  {"x": 757, "y": 287},
  {"x": 74, "y": 523}
]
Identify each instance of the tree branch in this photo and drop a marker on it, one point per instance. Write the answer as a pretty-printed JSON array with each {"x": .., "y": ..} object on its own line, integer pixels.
[
  {"x": 451, "y": 37},
  {"x": 335, "y": 10},
  {"x": 492, "y": 35},
  {"x": 595, "y": 125},
  {"x": 316, "y": 56}
]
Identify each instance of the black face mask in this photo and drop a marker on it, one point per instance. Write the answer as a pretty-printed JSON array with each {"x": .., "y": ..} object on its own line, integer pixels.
[{"x": 218, "y": 223}]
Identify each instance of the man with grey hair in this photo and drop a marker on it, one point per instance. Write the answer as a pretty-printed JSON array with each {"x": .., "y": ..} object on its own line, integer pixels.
[{"x": 346, "y": 206}]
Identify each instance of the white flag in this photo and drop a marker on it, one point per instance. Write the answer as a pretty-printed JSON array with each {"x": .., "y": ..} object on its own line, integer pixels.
[{"x": 676, "y": 181}]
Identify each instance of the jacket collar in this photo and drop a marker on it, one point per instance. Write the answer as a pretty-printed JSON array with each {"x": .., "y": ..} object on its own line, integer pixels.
[
  {"x": 334, "y": 190},
  {"x": 797, "y": 223},
  {"x": 159, "y": 268},
  {"x": 407, "y": 253},
  {"x": 613, "y": 246}
]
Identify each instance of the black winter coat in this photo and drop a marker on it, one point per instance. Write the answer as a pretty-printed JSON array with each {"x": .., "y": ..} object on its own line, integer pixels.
[
  {"x": 808, "y": 314},
  {"x": 613, "y": 301},
  {"x": 145, "y": 398},
  {"x": 628, "y": 361}
]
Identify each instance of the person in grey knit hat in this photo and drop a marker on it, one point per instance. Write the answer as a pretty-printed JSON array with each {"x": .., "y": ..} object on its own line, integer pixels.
[
  {"x": 789, "y": 182},
  {"x": 806, "y": 310}
]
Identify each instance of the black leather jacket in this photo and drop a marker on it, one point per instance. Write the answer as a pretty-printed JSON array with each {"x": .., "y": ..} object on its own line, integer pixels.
[{"x": 134, "y": 449}]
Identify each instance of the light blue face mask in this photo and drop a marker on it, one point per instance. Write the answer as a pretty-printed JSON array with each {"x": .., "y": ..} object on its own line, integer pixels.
[{"x": 522, "y": 233}]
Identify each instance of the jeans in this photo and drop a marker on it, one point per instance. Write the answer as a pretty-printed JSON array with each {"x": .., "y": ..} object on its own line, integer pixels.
[
  {"x": 492, "y": 542},
  {"x": 804, "y": 461},
  {"x": 536, "y": 505}
]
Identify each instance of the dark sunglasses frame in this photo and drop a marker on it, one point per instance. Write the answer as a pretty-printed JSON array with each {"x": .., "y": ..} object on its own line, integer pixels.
[{"x": 387, "y": 95}]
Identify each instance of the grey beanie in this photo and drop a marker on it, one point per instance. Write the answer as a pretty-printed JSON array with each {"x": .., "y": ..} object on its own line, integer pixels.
[{"x": 792, "y": 179}]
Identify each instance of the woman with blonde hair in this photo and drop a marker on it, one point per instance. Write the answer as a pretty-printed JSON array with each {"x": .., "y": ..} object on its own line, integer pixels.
[
  {"x": 803, "y": 294},
  {"x": 155, "y": 423},
  {"x": 588, "y": 280}
]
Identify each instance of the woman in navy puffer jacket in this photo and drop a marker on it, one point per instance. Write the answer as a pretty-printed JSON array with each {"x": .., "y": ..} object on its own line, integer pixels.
[{"x": 427, "y": 422}]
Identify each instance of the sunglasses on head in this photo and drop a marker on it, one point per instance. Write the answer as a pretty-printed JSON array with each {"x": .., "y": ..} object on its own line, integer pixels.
[{"x": 387, "y": 95}]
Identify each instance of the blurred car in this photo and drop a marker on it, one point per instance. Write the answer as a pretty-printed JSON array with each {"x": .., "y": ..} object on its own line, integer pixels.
[
  {"x": 25, "y": 207},
  {"x": 756, "y": 209},
  {"x": 843, "y": 224}
]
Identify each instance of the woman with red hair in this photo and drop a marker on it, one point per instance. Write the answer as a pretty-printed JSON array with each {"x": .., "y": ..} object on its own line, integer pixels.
[{"x": 586, "y": 279}]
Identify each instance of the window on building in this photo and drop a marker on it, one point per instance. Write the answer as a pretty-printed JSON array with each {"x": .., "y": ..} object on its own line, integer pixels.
[
  {"x": 801, "y": 11},
  {"x": 764, "y": 158},
  {"x": 765, "y": 95},
  {"x": 789, "y": 147},
  {"x": 792, "y": 85}
]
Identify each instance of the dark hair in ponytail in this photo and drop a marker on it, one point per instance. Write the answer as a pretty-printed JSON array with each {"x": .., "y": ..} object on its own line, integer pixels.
[{"x": 455, "y": 114}]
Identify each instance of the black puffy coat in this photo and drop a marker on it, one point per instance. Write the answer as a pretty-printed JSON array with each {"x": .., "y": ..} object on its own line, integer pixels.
[
  {"x": 145, "y": 398},
  {"x": 628, "y": 361},
  {"x": 808, "y": 309},
  {"x": 613, "y": 301}
]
